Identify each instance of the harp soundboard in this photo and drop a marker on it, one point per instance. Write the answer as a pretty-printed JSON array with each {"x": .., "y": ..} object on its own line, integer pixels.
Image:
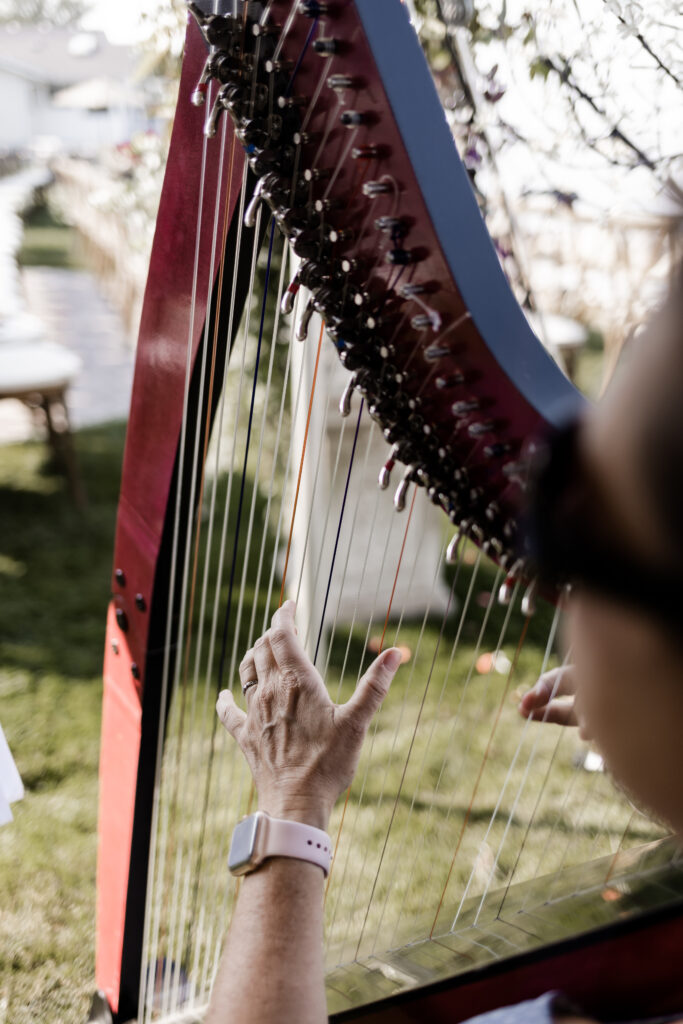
[{"x": 316, "y": 221}]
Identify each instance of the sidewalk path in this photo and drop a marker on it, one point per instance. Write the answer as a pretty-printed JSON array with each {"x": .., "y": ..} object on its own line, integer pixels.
[{"x": 77, "y": 316}]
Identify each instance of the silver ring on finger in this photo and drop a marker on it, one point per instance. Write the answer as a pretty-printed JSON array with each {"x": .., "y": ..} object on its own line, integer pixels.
[{"x": 247, "y": 686}]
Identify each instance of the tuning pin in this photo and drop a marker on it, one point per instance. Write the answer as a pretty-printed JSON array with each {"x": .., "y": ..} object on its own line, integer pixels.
[
  {"x": 385, "y": 473},
  {"x": 338, "y": 83},
  {"x": 376, "y": 188},
  {"x": 453, "y": 380},
  {"x": 291, "y": 102},
  {"x": 529, "y": 599},
  {"x": 317, "y": 174},
  {"x": 368, "y": 152},
  {"x": 452, "y": 550},
  {"x": 302, "y": 327},
  {"x": 289, "y": 298},
  {"x": 481, "y": 429},
  {"x": 465, "y": 407},
  {"x": 326, "y": 47},
  {"x": 345, "y": 400},
  {"x": 313, "y": 8},
  {"x": 354, "y": 118},
  {"x": 260, "y": 29},
  {"x": 435, "y": 352},
  {"x": 401, "y": 257},
  {"x": 424, "y": 320},
  {"x": 402, "y": 489},
  {"x": 497, "y": 449}
]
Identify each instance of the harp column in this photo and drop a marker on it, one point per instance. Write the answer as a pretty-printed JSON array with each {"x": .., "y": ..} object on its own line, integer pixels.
[{"x": 371, "y": 532}]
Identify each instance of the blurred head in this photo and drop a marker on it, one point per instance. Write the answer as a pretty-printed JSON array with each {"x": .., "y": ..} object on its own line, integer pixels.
[{"x": 629, "y": 659}]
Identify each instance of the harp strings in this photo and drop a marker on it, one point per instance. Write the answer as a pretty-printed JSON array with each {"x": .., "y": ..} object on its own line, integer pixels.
[
  {"x": 189, "y": 908},
  {"x": 484, "y": 760},
  {"x": 506, "y": 783},
  {"x": 172, "y": 810},
  {"x": 180, "y": 875},
  {"x": 150, "y": 894},
  {"x": 338, "y": 534},
  {"x": 148, "y": 977}
]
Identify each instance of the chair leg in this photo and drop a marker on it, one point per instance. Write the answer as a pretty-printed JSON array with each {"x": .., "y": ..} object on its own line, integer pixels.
[{"x": 61, "y": 441}]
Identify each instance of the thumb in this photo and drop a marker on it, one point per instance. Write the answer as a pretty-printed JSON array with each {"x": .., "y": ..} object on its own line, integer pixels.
[
  {"x": 373, "y": 687},
  {"x": 230, "y": 715}
]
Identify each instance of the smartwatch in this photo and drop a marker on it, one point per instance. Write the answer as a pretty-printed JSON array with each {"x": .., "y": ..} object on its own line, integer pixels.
[{"x": 259, "y": 836}]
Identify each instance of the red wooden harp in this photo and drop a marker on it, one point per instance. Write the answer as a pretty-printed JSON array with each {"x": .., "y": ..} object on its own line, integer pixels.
[{"x": 312, "y": 177}]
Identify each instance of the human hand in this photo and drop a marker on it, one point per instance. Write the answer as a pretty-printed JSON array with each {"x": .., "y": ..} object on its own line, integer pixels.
[
  {"x": 302, "y": 748},
  {"x": 541, "y": 703}
]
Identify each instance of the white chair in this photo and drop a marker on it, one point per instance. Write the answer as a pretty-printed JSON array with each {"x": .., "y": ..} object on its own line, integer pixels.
[{"x": 39, "y": 374}]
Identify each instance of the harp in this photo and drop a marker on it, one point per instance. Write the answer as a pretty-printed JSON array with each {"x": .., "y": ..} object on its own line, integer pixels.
[{"x": 317, "y": 232}]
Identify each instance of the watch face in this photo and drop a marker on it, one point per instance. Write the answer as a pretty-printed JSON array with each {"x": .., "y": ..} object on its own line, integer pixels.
[{"x": 243, "y": 845}]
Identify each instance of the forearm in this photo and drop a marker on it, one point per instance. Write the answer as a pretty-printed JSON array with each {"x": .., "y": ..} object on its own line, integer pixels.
[{"x": 272, "y": 965}]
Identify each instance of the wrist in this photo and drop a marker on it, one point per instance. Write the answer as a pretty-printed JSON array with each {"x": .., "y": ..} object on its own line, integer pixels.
[{"x": 314, "y": 814}]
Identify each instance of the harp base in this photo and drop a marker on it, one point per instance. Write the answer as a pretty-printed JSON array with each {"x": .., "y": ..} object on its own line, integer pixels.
[{"x": 588, "y": 934}]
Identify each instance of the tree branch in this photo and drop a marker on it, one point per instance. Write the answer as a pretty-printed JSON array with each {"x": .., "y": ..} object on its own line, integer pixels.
[
  {"x": 564, "y": 72},
  {"x": 648, "y": 49}
]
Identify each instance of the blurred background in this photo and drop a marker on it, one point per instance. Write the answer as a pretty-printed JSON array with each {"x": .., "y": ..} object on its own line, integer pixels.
[{"x": 568, "y": 118}]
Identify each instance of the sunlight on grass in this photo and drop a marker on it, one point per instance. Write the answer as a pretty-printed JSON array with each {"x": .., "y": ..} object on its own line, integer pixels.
[
  {"x": 55, "y": 565},
  {"x": 447, "y": 750}
]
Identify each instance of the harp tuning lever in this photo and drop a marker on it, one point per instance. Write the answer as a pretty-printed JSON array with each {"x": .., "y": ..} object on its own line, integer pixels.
[
  {"x": 267, "y": 187},
  {"x": 288, "y": 299},
  {"x": 385, "y": 472},
  {"x": 211, "y": 126},
  {"x": 452, "y": 549},
  {"x": 506, "y": 590},
  {"x": 250, "y": 213},
  {"x": 198, "y": 97},
  {"x": 402, "y": 489},
  {"x": 304, "y": 322},
  {"x": 529, "y": 599},
  {"x": 345, "y": 400}
]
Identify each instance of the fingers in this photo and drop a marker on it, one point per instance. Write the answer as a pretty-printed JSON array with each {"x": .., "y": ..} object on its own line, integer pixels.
[
  {"x": 557, "y": 713},
  {"x": 288, "y": 652},
  {"x": 539, "y": 702},
  {"x": 559, "y": 682},
  {"x": 230, "y": 715},
  {"x": 247, "y": 669},
  {"x": 264, "y": 661},
  {"x": 372, "y": 688}
]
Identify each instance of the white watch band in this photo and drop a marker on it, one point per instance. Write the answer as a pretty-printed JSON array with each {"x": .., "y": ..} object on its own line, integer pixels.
[
  {"x": 294, "y": 839},
  {"x": 259, "y": 836}
]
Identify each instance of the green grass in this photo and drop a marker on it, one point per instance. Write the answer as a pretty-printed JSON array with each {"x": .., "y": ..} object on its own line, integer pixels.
[
  {"x": 590, "y": 367},
  {"x": 419, "y": 769},
  {"x": 47, "y": 241},
  {"x": 55, "y": 565}
]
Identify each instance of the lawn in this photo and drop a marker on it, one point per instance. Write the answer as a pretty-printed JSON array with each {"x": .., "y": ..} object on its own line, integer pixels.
[
  {"x": 448, "y": 714},
  {"x": 55, "y": 566},
  {"x": 454, "y": 796}
]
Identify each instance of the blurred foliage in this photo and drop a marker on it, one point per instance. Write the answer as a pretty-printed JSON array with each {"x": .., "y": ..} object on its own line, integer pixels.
[
  {"x": 47, "y": 241},
  {"x": 33, "y": 12}
]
